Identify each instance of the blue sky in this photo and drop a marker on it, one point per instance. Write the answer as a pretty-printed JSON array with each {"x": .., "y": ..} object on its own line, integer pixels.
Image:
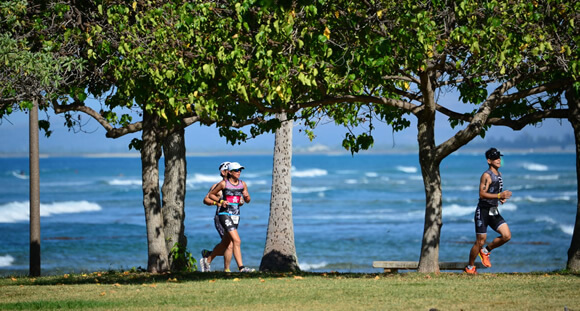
[{"x": 203, "y": 139}]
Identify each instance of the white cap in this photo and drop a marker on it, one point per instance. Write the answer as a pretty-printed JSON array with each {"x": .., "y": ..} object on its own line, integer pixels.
[
  {"x": 224, "y": 166},
  {"x": 235, "y": 166}
]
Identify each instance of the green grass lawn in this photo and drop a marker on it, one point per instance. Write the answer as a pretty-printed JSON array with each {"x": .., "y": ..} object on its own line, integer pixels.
[{"x": 302, "y": 291}]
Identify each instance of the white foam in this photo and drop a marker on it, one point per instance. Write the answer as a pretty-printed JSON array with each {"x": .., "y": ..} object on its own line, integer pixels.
[
  {"x": 19, "y": 175},
  {"x": 204, "y": 178},
  {"x": 416, "y": 177},
  {"x": 251, "y": 175},
  {"x": 563, "y": 198},
  {"x": 371, "y": 174},
  {"x": 308, "y": 266},
  {"x": 350, "y": 181},
  {"x": 508, "y": 207},
  {"x": 309, "y": 190},
  {"x": 250, "y": 183},
  {"x": 457, "y": 210},
  {"x": 20, "y": 211},
  {"x": 407, "y": 169},
  {"x": 547, "y": 219},
  {"x": 125, "y": 182},
  {"x": 397, "y": 217},
  {"x": 346, "y": 172},
  {"x": 568, "y": 229},
  {"x": 467, "y": 188},
  {"x": 6, "y": 261},
  {"x": 536, "y": 200},
  {"x": 542, "y": 177},
  {"x": 314, "y": 172},
  {"x": 535, "y": 167}
]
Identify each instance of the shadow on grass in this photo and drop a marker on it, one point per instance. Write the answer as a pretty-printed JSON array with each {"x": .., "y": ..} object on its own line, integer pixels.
[{"x": 140, "y": 277}]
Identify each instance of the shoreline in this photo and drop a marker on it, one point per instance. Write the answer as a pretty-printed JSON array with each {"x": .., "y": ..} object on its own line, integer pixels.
[{"x": 328, "y": 152}]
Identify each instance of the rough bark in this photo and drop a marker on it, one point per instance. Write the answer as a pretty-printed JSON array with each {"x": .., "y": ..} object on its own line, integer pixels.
[
  {"x": 573, "y": 263},
  {"x": 150, "y": 153},
  {"x": 173, "y": 190},
  {"x": 429, "y": 260},
  {"x": 280, "y": 250}
]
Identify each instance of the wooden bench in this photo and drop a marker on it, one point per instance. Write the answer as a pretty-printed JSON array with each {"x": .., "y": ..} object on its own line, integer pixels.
[{"x": 394, "y": 266}]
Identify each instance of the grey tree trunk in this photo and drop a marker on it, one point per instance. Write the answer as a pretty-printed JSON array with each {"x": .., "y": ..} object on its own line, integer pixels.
[
  {"x": 429, "y": 260},
  {"x": 173, "y": 190},
  {"x": 280, "y": 249},
  {"x": 573, "y": 263},
  {"x": 150, "y": 153},
  {"x": 34, "y": 173}
]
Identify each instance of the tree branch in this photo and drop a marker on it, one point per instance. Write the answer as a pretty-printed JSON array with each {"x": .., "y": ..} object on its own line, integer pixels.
[
  {"x": 363, "y": 99},
  {"x": 112, "y": 132}
]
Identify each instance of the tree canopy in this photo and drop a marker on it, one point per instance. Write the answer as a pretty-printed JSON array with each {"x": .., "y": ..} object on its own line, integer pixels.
[{"x": 353, "y": 62}]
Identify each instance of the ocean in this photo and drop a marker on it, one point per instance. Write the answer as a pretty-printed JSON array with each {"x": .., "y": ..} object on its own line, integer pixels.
[{"x": 348, "y": 211}]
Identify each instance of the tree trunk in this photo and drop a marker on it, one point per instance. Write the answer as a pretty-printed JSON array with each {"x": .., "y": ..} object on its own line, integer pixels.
[
  {"x": 280, "y": 250},
  {"x": 34, "y": 182},
  {"x": 150, "y": 154},
  {"x": 429, "y": 260},
  {"x": 174, "y": 196},
  {"x": 574, "y": 118}
]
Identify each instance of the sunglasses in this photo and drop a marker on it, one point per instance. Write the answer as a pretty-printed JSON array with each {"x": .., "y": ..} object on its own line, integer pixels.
[
  {"x": 238, "y": 170},
  {"x": 494, "y": 156}
]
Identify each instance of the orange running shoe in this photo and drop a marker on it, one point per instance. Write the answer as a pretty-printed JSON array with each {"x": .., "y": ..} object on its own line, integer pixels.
[
  {"x": 473, "y": 270},
  {"x": 485, "y": 258}
]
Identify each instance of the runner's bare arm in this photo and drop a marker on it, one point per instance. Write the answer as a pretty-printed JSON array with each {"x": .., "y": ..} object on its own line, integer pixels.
[
  {"x": 207, "y": 200},
  {"x": 484, "y": 182},
  {"x": 246, "y": 194},
  {"x": 213, "y": 194}
]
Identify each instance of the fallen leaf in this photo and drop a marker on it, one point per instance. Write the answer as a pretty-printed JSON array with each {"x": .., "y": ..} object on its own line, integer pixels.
[
  {"x": 14, "y": 279},
  {"x": 377, "y": 277},
  {"x": 212, "y": 281},
  {"x": 117, "y": 284},
  {"x": 103, "y": 294},
  {"x": 297, "y": 277},
  {"x": 153, "y": 285},
  {"x": 236, "y": 280}
]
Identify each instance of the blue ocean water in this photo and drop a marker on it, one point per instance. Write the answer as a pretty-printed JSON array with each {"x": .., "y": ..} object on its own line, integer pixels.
[{"x": 348, "y": 211}]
